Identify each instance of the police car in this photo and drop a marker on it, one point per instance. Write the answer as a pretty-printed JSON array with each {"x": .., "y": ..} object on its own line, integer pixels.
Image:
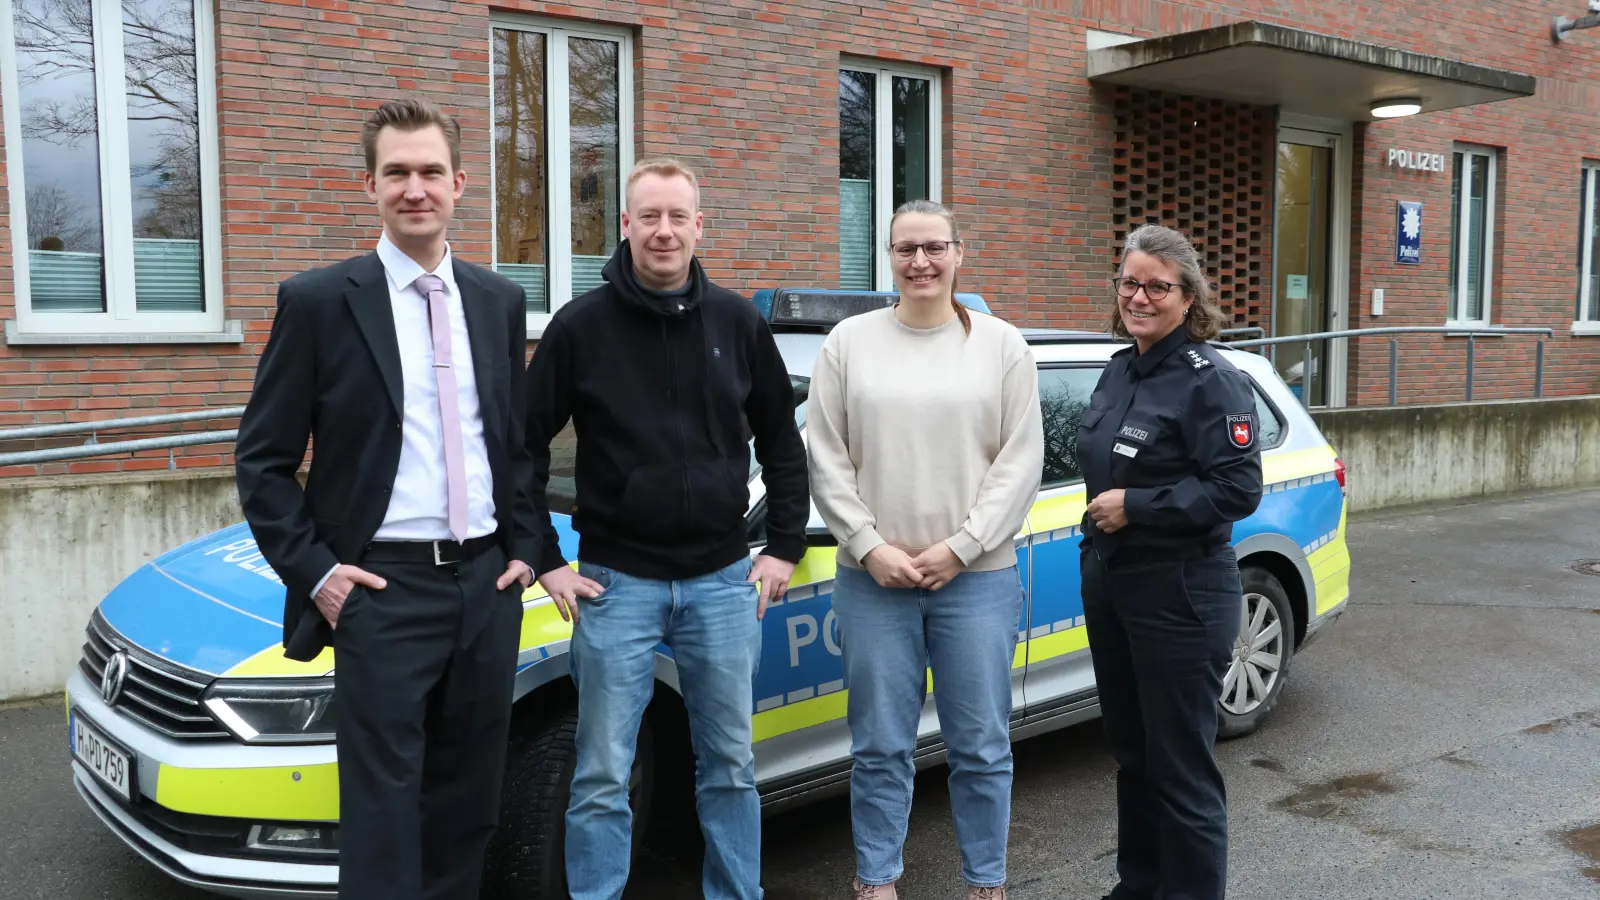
[{"x": 210, "y": 754}]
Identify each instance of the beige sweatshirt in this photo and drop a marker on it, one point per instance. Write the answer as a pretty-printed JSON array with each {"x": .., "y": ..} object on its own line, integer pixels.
[{"x": 918, "y": 436}]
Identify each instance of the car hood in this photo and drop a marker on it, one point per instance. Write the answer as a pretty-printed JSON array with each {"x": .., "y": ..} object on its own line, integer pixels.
[{"x": 215, "y": 605}]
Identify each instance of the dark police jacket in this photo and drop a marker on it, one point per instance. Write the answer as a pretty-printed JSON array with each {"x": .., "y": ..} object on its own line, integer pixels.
[{"x": 1176, "y": 428}]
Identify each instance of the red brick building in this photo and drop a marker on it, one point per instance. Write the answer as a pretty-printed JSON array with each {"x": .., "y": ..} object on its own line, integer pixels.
[{"x": 159, "y": 179}]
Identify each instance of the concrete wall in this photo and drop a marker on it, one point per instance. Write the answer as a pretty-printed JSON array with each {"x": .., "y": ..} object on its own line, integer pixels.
[
  {"x": 66, "y": 541},
  {"x": 1404, "y": 455}
]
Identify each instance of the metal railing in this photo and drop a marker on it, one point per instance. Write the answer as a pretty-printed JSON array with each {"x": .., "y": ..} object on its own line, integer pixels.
[
  {"x": 94, "y": 447},
  {"x": 1471, "y": 334}
]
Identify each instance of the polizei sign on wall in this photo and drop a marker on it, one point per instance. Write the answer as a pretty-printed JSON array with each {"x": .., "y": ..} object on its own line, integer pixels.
[{"x": 1416, "y": 159}]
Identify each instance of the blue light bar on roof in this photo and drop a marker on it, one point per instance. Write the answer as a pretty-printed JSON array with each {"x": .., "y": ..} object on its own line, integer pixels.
[{"x": 817, "y": 307}]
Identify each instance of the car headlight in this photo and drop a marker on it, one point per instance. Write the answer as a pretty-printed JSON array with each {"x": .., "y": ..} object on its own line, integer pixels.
[{"x": 276, "y": 711}]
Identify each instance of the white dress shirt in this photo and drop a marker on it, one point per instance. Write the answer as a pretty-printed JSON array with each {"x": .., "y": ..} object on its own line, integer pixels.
[{"x": 418, "y": 505}]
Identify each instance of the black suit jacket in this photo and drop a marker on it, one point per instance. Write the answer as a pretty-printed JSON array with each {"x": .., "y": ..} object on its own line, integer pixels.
[{"x": 331, "y": 373}]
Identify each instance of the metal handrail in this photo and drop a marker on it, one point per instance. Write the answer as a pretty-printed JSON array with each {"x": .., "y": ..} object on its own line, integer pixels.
[
  {"x": 93, "y": 446},
  {"x": 1391, "y": 329},
  {"x": 32, "y": 457},
  {"x": 99, "y": 425},
  {"x": 1471, "y": 333}
]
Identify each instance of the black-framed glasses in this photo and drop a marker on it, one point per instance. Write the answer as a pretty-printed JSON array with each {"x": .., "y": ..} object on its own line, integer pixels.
[
  {"x": 1154, "y": 289},
  {"x": 932, "y": 249}
]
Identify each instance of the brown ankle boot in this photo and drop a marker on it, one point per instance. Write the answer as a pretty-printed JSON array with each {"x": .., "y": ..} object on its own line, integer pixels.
[{"x": 985, "y": 893}]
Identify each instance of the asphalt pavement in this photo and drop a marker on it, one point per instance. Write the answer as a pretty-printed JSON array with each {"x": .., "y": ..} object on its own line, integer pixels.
[{"x": 1442, "y": 741}]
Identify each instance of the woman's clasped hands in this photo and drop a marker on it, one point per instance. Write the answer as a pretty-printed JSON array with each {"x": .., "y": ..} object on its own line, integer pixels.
[{"x": 932, "y": 569}]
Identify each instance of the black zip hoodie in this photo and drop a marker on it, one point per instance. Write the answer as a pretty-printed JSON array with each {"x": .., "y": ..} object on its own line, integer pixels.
[{"x": 660, "y": 388}]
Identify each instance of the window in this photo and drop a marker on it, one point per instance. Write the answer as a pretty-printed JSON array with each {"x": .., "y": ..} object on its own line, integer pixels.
[
  {"x": 1063, "y": 396},
  {"x": 888, "y": 154},
  {"x": 1269, "y": 426},
  {"x": 1588, "y": 318},
  {"x": 562, "y": 101},
  {"x": 111, "y": 144},
  {"x": 1472, "y": 218}
]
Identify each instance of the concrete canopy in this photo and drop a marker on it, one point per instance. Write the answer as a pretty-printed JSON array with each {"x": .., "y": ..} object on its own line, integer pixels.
[{"x": 1300, "y": 72}]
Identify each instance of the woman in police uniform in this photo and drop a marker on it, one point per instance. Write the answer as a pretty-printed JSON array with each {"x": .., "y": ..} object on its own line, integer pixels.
[{"x": 1168, "y": 452}]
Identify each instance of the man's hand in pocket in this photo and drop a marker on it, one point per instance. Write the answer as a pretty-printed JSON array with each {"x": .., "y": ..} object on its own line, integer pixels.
[{"x": 330, "y": 600}]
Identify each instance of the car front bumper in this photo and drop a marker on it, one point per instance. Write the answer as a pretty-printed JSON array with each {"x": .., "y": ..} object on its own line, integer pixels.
[{"x": 212, "y": 781}]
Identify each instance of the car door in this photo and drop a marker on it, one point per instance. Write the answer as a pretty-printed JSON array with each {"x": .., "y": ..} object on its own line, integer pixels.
[
  {"x": 1059, "y": 676},
  {"x": 802, "y": 739}
]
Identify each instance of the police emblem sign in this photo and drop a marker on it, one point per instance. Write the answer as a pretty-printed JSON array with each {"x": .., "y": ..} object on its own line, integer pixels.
[{"x": 1408, "y": 232}]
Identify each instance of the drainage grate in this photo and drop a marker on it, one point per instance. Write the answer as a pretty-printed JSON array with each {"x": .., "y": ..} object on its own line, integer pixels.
[{"x": 1585, "y": 566}]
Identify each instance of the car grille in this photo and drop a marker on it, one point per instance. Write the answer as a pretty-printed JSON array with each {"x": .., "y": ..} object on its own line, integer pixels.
[{"x": 162, "y": 696}]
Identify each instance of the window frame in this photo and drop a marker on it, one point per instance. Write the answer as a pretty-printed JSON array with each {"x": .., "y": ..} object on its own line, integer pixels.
[
  {"x": 1587, "y": 320},
  {"x": 121, "y": 317},
  {"x": 883, "y": 147},
  {"x": 1461, "y": 232},
  {"x": 558, "y": 137}
]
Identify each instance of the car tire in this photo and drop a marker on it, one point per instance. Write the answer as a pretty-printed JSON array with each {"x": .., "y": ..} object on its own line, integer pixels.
[
  {"x": 526, "y": 857},
  {"x": 1266, "y": 621}
]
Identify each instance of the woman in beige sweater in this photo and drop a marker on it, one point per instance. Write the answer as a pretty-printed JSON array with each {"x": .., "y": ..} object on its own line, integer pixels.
[{"x": 926, "y": 452}]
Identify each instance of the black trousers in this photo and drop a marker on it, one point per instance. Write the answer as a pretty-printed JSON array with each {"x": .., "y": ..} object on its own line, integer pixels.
[
  {"x": 423, "y": 682},
  {"x": 1161, "y": 634}
]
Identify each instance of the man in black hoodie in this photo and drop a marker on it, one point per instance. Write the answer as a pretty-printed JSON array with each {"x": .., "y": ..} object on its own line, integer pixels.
[{"x": 661, "y": 372}]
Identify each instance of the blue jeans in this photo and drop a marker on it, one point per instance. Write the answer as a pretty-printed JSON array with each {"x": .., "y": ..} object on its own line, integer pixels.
[
  {"x": 710, "y": 624},
  {"x": 967, "y": 632}
]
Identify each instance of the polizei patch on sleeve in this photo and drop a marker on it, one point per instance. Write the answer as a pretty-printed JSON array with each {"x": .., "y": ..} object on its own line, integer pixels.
[{"x": 1242, "y": 430}]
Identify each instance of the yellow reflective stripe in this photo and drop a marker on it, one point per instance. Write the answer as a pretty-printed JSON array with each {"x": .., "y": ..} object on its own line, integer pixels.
[
  {"x": 1063, "y": 511},
  {"x": 1060, "y": 643},
  {"x": 795, "y": 716},
  {"x": 1330, "y": 569},
  {"x": 303, "y": 793},
  {"x": 1276, "y": 467},
  {"x": 1066, "y": 510},
  {"x": 271, "y": 662},
  {"x": 829, "y": 707}
]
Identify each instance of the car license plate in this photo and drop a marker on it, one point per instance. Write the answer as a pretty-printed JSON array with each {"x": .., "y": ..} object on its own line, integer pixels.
[{"x": 107, "y": 761}]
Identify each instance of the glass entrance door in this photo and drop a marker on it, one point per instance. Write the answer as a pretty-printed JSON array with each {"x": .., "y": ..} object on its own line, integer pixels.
[{"x": 1302, "y": 260}]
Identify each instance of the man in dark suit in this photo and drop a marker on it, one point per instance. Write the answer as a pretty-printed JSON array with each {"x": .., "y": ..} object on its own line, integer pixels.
[{"x": 405, "y": 549}]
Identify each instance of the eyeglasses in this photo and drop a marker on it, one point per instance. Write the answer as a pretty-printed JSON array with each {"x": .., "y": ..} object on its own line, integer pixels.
[
  {"x": 1155, "y": 290},
  {"x": 933, "y": 249}
]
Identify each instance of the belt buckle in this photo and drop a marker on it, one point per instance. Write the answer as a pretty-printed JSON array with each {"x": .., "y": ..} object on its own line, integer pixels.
[{"x": 438, "y": 559}]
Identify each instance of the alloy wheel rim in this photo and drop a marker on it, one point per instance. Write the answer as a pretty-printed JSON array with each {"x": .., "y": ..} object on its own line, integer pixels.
[{"x": 1257, "y": 659}]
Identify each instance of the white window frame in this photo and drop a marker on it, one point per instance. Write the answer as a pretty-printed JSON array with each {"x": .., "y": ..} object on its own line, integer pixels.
[
  {"x": 883, "y": 145},
  {"x": 121, "y": 318},
  {"x": 1472, "y": 154},
  {"x": 558, "y": 161},
  {"x": 1588, "y": 320}
]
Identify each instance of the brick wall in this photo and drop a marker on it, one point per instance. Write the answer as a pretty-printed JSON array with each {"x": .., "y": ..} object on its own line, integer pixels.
[
  {"x": 747, "y": 90},
  {"x": 1205, "y": 168}
]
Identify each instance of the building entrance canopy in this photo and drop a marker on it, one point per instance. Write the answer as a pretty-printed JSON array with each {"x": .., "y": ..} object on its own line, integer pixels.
[{"x": 1301, "y": 72}]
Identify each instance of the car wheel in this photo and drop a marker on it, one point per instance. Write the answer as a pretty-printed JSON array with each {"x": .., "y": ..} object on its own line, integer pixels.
[
  {"x": 1259, "y": 666},
  {"x": 526, "y": 858}
]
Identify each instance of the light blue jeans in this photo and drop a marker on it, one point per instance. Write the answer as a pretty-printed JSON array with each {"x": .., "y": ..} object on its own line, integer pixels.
[
  {"x": 967, "y": 632},
  {"x": 710, "y": 624}
]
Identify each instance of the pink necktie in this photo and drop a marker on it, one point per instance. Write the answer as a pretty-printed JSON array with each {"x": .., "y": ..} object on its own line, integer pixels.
[{"x": 432, "y": 287}]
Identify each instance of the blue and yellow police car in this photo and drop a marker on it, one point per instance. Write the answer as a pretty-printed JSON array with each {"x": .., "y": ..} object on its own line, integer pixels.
[{"x": 210, "y": 754}]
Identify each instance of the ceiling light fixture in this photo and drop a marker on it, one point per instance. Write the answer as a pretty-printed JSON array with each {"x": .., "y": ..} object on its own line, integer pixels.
[{"x": 1394, "y": 107}]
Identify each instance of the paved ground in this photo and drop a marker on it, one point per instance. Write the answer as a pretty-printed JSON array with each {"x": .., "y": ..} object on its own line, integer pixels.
[{"x": 1443, "y": 741}]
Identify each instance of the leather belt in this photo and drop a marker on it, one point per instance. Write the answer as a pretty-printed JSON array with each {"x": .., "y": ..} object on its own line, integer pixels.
[{"x": 432, "y": 553}]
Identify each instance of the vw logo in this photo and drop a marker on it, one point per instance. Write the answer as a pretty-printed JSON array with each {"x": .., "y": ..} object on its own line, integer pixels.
[{"x": 111, "y": 681}]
